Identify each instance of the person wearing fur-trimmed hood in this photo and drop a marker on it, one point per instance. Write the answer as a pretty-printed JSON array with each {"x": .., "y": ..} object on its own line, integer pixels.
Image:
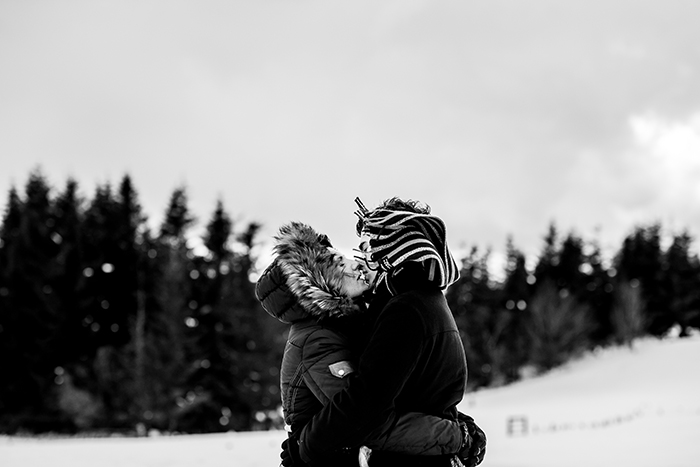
[
  {"x": 414, "y": 359},
  {"x": 319, "y": 292}
]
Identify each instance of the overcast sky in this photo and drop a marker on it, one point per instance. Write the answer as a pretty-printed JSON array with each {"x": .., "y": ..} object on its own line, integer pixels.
[{"x": 503, "y": 116}]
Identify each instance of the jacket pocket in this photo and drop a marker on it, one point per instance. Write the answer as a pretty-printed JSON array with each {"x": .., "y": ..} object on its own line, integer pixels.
[{"x": 341, "y": 369}]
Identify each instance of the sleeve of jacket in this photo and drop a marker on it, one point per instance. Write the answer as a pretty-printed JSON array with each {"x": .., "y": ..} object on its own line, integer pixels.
[
  {"x": 419, "y": 434},
  {"x": 368, "y": 401},
  {"x": 327, "y": 362}
]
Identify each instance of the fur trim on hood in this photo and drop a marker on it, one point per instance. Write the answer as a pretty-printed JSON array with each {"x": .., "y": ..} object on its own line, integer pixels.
[{"x": 312, "y": 272}]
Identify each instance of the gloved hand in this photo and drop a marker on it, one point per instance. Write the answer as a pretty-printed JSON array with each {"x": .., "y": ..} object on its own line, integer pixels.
[
  {"x": 290, "y": 453},
  {"x": 466, "y": 440},
  {"x": 474, "y": 446}
]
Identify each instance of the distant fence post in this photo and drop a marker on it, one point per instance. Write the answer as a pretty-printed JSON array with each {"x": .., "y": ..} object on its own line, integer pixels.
[{"x": 517, "y": 425}]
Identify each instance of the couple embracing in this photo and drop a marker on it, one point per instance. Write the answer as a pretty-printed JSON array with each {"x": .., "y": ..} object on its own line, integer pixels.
[{"x": 374, "y": 366}]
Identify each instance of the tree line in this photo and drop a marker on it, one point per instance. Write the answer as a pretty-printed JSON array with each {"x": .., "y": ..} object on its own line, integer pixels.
[
  {"x": 108, "y": 325},
  {"x": 573, "y": 300}
]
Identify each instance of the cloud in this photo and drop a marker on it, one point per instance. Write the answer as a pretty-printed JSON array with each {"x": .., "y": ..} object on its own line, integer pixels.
[
  {"x": 651, "y": 175},
  {"x": 668, "y": 150}
]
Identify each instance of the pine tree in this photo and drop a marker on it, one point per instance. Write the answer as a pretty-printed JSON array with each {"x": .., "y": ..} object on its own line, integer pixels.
[
  {"x": 99, "y": 291},
  {"x": 148, "y": 374},
  {"x": 75, "y": 379},
  {"x": 518, "y": 281},
  {"x": 628, "y": 313},
  {"x": 177, "y": 218},
  {"x": 68, "y": 218},
  {"x": 130, "y": 374},
  {"x": 121, "y": 261},
  {"x": 12, "y": 388},
  {"x": 265, "y": 340},
  {"x": 254, "y": 344},
  {"x": 169, "y": 323},
  {"x": 548, "y": 260},
  {"x": 480, "y": 319},
  {"x": 211, "y": 403},
  {"x": 641, "y": 259},
  {"x": 598, "y": 294},
  {"x": 516, "y": 296},
  {"x": 142, "y": 350},
  {"x": 568, "y": 271},
  {"x": 31, "y": 307},
  {"x": 218, "y": 234},
  {"x": 129, "y": 221},
  {"x": 9, "y": 231},
  {"x": 558, "y": 326},
  {"x": 681, "y": 283}
]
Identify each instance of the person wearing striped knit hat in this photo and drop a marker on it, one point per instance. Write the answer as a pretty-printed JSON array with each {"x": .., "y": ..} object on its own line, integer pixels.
[
  {"x": 403, "y": 232},
  {"x": 414, "y": 359}
]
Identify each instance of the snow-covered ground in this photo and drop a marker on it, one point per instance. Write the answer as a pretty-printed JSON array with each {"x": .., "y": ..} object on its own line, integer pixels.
[{"x": 617, "y": 408}]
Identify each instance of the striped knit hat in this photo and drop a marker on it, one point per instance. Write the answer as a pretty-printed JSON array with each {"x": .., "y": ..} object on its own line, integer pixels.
[{"x": 398, "y": 236}]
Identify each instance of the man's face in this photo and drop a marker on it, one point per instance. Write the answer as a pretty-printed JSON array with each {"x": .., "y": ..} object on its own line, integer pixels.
[{"x": 367, "y": 266}]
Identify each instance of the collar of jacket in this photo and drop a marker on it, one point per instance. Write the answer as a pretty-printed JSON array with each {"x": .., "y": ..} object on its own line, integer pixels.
[{"x": 407, "y": 277}]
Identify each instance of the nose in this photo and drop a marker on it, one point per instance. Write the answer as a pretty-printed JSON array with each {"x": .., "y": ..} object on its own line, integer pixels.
[
  {"x": 362, "y": 267},
  {"x": 355, "y": 265}
]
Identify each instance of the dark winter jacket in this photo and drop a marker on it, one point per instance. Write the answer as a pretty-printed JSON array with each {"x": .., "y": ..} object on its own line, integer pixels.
[
  {"x": 414, "y": 362},
  {"x": 317, "y": 357},
  {"x": 321, "y": 357}
]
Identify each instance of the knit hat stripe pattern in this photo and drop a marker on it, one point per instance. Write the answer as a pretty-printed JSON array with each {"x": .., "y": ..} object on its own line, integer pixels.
[
  {"x": 393, "y": 239},
  {"x": 399, "y": 236}
]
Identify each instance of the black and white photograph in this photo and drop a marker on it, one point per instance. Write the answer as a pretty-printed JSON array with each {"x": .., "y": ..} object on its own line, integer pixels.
[{"x": 304, "y": 233}]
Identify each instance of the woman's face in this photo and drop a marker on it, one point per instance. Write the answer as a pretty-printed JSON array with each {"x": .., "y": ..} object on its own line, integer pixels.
[{"x": 355, "y": 282}]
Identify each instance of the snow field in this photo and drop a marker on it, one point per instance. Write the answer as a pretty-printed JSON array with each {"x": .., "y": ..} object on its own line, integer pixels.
[{"x": 617, "y": 407}]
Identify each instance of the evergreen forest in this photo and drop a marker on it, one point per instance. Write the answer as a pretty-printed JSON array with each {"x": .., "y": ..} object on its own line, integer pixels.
[{"x": 107, "y": 326}]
